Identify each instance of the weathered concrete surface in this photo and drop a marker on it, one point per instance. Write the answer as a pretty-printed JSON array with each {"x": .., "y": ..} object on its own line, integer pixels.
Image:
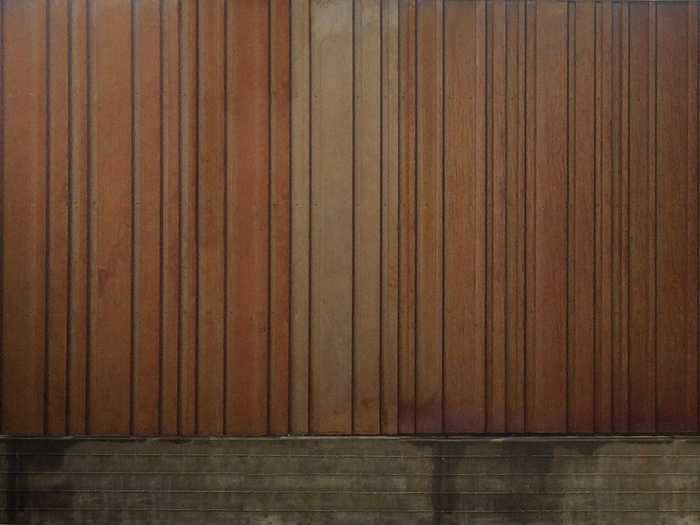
[{"x": 351, "y": 480}]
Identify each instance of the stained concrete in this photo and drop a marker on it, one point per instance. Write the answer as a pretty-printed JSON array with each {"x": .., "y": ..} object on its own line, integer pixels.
[{"x": 272, "y": 481}]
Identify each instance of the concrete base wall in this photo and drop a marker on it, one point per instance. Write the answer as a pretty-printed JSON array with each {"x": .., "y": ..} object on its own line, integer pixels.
[{"x": 351, "y": 480}]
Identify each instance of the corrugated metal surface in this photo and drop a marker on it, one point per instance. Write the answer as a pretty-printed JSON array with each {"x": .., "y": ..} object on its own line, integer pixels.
[{"x": 231, "y": 217}]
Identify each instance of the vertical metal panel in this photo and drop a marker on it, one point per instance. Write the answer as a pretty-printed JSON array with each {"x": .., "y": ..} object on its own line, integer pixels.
[
  {"x": 367, "y": 212},
  {"x": 429, "y": 215},
  {"x": 465, "y": 181},
  {"x": 111, "y": 198},
  {"x": 25, "y": 176},
  {"x": 211, "y": 180},
  {"x": 224, "y": 217},
  {"x": 148, "y": 185},
  {"x": 332, "y": 215},
  {"x": 247, "y": 217}
]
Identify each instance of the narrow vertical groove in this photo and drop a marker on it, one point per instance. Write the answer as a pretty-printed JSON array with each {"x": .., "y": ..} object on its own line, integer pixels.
[
  {"x": 134, "y": 220},
  {"x": 161, "y": 316},
  {"x": 290, "y": 306},
  {"x": 381, "y": 222},
  {"x": 47, "y": 218},
  {"x": 224, "y": 372},
  {"x": 488, "y": 142},
  {"x": 526, "y": 284},
  {"x": 89, "y": 215},
  {"x": 399, "y": 231},
  {"x": 506, "y": 251},
  {"x": 196, "y": 225},
  {"x": 310, "y": 368},
  {"x": 353, "y": 249},
  {"x": 569, "y": 175},
  {"x": 415, "y": 208},
  {"x": 654, "y": 145},
  {"x": 180, "y": 221},
  {"x": 442, "y": 219},
  {"x": 629, "y": 217},
  {"x": 380, "y": 363},
  {"x": 269, "y": 215},
  {"x": 69, "y": 236},
  {"x": 2, "y": 198},
  {"x": 596, "y": 153}
]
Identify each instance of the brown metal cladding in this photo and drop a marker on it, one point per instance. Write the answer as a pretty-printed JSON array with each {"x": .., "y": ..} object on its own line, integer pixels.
[{"x": 228, "y": 217}]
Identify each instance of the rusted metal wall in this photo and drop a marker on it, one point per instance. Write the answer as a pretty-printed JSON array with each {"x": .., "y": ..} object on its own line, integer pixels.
[{"x": 307, "y": 216}]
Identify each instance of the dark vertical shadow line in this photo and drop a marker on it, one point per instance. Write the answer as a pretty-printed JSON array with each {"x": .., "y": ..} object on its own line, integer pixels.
[
  {"x": 621, "y": 212},
  {"x": 526, "y": 288},
  {"x": 88, "y": 213},
  {"x": 507, "y": 255},
  {"x": 398, "y": 213},
  {"x": 382, "y": 173},
  {"x": 269, "y": 214},
  {"x": 615, "y": 184},
  {"x": 2, "y": 203},
  {"x": 309, "y": 374},
  {"x": 656, "y": 215},
  {"x": 399, "y": 284},
  {"x": 442, "y": 225},
  {"x": 69, "y": 236},
  {"x": 697, "y": 197},
  {"x": 180, "y": 220},
  {"x": 534, "y": 193},
  {"x": 227, "y": 357},
  {"x": 569, "y": 144},
  {"x": 596, "y": 154},
  {"x": 47, "y": 210},
  {"x": 161, "y": 320},
  {"x": 382, "y": 220},
  {"x": 488, "y": 292},
  {"x": 629, "y": 215},
  {"x": 134, "y": 220},
  {"x": 290, "y": 179},
  {"x": 354, "y": 248},
  {"x": 415, "y": 214},
  {"x": 196, "y": 215}
]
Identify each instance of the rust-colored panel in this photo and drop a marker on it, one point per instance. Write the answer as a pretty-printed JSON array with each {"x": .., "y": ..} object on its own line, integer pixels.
[
  {"x": 515, "y": 218},
  {"x": 429, "y": 226},
  {"x": 280, "y": 214},
  {"x": 676, "y": 214},
  {"x": 78, "y": 219},
  {"x": 57, "y": 211},
  {"x": 24, "y": 235},
  {"x": 189, "y": 252},
  {"x": 367, "y": 218},
  {"x": 247, "y": 218},
  {"x": 211, "y": 177},
  {"x": 603, "y": 218},
  {"x": 496, "y": 217},
  {"x": 581, "y": 220},
  {"x": 170, "y": 202},
  {"x": 332, "y": 196},
  {"x": 389, "y": 231},
  {"x": 465, "y": 181},
  {"x": 546, "y": 359},
  {"x": 642, "y": 220},
  {"x": 111, "y": 201},
  {"x": 147, "y": 247},
  {"x": 407, "y": 216},
  {"x": 301, "y": 215}
]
